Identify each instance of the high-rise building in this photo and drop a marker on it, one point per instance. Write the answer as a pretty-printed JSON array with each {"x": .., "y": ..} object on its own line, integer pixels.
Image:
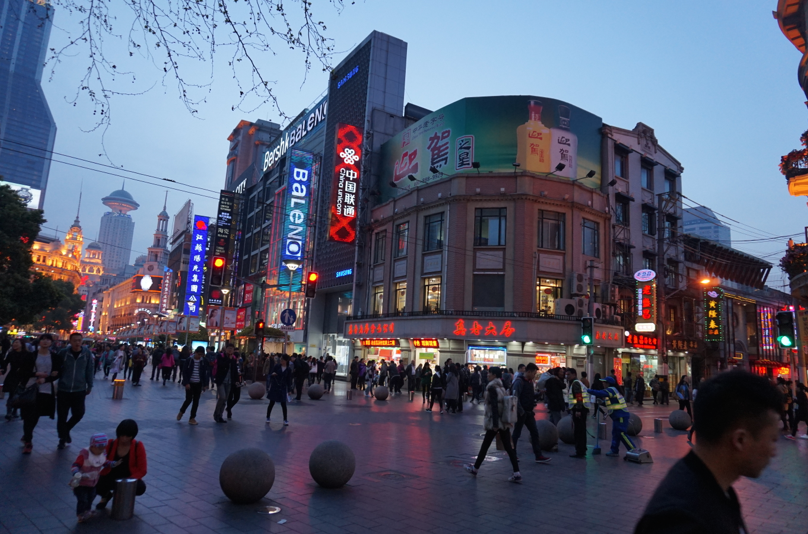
[
  {"x": 27, "y": 128},
  {"x": 117, "y": 230},
  {"x": 701, "y": 221}
]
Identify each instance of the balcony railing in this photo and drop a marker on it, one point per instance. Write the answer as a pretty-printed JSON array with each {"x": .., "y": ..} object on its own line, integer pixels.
[{"x": 477, "y": 313}]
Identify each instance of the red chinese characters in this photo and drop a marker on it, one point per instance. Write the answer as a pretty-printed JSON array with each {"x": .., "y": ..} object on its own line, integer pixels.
[{"x": 347, "y": 174}]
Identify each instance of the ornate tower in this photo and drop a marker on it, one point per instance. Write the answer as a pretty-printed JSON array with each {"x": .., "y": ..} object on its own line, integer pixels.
[
  {"x": 158, "y": 252},
  {"x": 74, "y": 240}
]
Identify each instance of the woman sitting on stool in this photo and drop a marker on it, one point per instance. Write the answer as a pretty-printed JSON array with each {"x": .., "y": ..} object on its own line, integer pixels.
[{"x": 133, "y": 454}]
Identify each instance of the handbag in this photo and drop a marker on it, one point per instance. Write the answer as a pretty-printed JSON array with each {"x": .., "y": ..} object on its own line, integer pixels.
[{"x": 25, "y": 397}]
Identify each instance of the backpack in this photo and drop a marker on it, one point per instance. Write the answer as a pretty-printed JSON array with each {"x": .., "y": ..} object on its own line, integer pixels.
[
  {"x": 510, "y": 413},
  {"x": 543, "y": 379}
]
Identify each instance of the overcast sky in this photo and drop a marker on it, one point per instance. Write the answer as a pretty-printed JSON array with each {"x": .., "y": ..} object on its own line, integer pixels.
[{"x": 716, "y": 80}]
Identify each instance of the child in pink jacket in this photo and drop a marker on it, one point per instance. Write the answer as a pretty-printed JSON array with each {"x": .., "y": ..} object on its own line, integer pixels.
[{"x": 86, "y": 470}]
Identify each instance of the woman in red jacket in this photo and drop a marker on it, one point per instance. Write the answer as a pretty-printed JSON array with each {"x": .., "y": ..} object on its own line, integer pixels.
[{"x": 133, "y": 454}]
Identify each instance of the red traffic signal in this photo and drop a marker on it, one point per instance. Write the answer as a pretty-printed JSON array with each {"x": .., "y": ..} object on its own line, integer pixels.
[
  {"x": 311, "y": 284},
  {"x": 259, "y": 329},
  {"x": 217, "y": 271}
]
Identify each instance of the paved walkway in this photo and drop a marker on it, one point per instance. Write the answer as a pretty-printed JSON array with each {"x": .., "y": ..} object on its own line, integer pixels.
[{"x": 408, "y": 476}]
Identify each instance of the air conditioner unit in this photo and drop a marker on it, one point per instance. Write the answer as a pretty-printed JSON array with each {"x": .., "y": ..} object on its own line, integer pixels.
[
  {"x": 598, "y": 310},
  {"x": 578, "y": 285},
  {"x": 576, "y": 307}
]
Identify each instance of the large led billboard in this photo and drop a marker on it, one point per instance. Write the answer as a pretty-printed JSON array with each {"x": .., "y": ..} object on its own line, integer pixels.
[
  {"x": 296, "y": 218},
  {"x": 536, "y": 132},
  {"x": 345, "y": 189},
  {"x": 28, "y": 194}
]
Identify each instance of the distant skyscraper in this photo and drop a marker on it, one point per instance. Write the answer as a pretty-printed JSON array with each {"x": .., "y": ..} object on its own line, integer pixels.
[
  {"x": 117, "y": 230},
  {"x": 27, "y": 128},
  {"x": 701, "y": 221}
]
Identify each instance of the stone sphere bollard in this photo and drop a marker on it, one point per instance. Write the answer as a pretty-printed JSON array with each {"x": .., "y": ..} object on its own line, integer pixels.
[
  {"x": 548, "y": 435},
  {"x": 332, "y": 464},
  {"x": 247, "y": 475},
  {"x": 256, "y": 390},
  {"x": 679, "y": 420},
  {"x": 566, "y": 431},
  {"x": 634, "y": 425},
  {"x": 315, "y": 391},
  {"x": 381, "y": 393}
]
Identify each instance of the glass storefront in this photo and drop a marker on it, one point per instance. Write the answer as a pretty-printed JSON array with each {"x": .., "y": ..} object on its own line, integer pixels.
[
  {"x": 340, "y": 349},
  {"x": 550, "y": 360}
]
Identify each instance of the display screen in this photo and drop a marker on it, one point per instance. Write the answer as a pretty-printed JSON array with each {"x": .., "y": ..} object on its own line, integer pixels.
[
  {"x": 487, "y": 355},
  {"x": 380, "y": 343},
  {"x": 425, "y": 343}
]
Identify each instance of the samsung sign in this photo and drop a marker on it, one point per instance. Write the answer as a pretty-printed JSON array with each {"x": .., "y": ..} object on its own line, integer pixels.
[
  {"x": 295, "y": 225},
  {"x": 294, "y": 134}
]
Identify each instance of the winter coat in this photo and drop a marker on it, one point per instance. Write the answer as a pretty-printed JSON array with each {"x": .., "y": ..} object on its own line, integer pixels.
[
  {"x": 426, "y": 377},
  {"x": 495, "y": 385},
  {"x": 76, "y": 374},
  {"x": 437, "y": 380},
  {"x": 452, "y": 386},
  {"x": 137, "y": 458},
  {"x": 639, "y": 386},
  {"x": 204, "y": 372},
  {"x": 12, "y": 365},
  {"x": 279, "y": 384},
  {"x": 555, "y": 394},
  {"x": 167, "y": 361}
]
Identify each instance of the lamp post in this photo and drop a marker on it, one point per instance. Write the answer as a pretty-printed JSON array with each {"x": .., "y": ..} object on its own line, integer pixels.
[{"x": 292, "y": 265}]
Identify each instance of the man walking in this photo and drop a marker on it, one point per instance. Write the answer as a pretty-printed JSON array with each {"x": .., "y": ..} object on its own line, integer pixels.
[
  {"x": 526, "y": 399},
  {"x": 226, "y": 376},
  {"x": 736, "y": 435},
  {"x": 138, "y": 363},
  {"x": 628, "y": 387},
  {"x": 75, "y": 383},
  {"x": 639, "y": 389},
  {"x": 300, "y": 370},
  {"x": 329, "y": 370},
  {"x": 156, "y": 356},
  {"x": 355, "y": 371},
  {"x": 210, "y": 356},
  {"x": 555, "y": 395}
]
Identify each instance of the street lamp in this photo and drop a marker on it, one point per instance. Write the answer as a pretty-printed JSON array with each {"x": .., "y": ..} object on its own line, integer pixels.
[{"x": 293, "y": 266}]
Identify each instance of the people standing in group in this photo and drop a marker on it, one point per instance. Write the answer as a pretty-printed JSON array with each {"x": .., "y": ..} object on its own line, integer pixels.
[
  {"x": 156, "y": 355},
  {"x": 280, "y": 379},
  {"x": 129, "y": 457},
  {"x": 800, "y": 412},
  {"x": 41, "y": 368},
  {"x": 495, "y": 424},
  {"x": 195, "y": 377},
  {"x": 10, "y": 371},
  {"x": 683, "y": 394},
  {"x": 235, "y": 389},
  {"x": 437, "y": 389},
  {"x": 86, "y": 471},
  {"x": 639, "y": 389},
  {"x": 426, "y": 383},
  {"x": 75, "y": 383},
  {"x": 167, "y": 363},
  {"x": 526, "y": 417},
  {"x": 226, "y": 377},
  {"x": 329, "y": 372},
  {"x": 139, "y": 361},
  {"x": 554, "y": 388}
]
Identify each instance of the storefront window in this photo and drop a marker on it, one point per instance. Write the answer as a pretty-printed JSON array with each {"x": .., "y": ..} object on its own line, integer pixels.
[
  {"x": 432, "y": 289},
  {"x": 340, "y": 349},
  {"x": 377, "y": 305},
  {"x": 401, "y": 296},
  {"x": 547, "y": 291}
]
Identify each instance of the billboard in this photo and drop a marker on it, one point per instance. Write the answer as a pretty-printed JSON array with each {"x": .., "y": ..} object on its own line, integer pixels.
[
  {"x": 196, "y": 266},
  {"x": 181, "y": 220},
  {"x": 646, "y": 301},
  {"x": 147, "y": 282},
  {"x": 224, "y": 221},
  {"x": 308, "y": 123},
  {"x": 295, "y": 218},
  {"x": 28, "y": 194},
  {"x": 538, "y": 133},
  {"x": 714, "y": 314},
  {"x": 345, "y": 190}
]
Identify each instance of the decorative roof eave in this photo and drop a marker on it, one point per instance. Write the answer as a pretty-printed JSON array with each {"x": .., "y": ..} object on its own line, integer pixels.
[{"x": 726, "y": 262}]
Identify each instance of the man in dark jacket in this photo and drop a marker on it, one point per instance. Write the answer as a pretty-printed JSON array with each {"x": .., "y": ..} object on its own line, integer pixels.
[
  {"x": 355, "y": 371},
  {"x": 737, "y": 433},
  {"x": 639, "y": 389},
  {"x": 226, "y": 377},
  {"x": 301, "y": 370},
  {"x": 555, "y": 396},
  {"x": 523, "y": 391},
  {"x": 157, "y": 355},
  {"x": 75, "y": 383}
]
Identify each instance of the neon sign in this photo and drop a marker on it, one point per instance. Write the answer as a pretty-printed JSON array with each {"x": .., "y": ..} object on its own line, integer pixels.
[
  {"x": 713, "y": 314},
  {"x": 347, "y": 175},
  {"x": 196, "y": 266},
  {"x": 92, "y": 315},
  {"x": 295, "y": 227},
  {"x": 371, "y": 328},
  {"x": 348, "y": 76},
  {"x": 646, "y": 306},
  {"x": 643, "y": 342},
  {"x": 476, "y": 329},
  {"x": 346, "y": 272},
  {"x": 380, "y": 343},
  {"x": 425, "y": 343},
  {"x": 294, "y": 134}
]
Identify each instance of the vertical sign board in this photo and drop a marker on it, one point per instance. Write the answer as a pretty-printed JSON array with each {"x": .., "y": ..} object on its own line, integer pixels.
[
  {"x": 802, "y": 327},
  {"x": 224, "y": 222},
  {"x": 646, "y": 301},
  {"x": 165, "y": 293},
  {"x": 295, "y": 218},
  {"x": 196, "y": 266},
  {"x": 347, "y": 175},
  {"x": 713, "y": 314}
]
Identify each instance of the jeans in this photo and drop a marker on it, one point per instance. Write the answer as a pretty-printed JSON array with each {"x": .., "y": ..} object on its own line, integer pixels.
[
  {"x": 192, "y": 395},
  {"x": 527, "y": 420},
  {"x": 505, "y": 436},
  {"x": 222, "y": 394},
  {"x": 84, "y": 496},
  {"x": 69, "y": 402}
]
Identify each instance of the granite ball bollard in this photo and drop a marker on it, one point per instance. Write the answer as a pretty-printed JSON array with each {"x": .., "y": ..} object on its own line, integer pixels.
[
  {"x": 634, "y": 425},
  {"x": 381, "y": 393},
  {"x": 256, "y": 390},
  {"x": 548, "y": 435},
  {"x": 315, "y": 391},
  {"x": 566, "y": 431},
  {"x": 679, "y": 420},
  {"x": 332, "y": 464},
  {"x": 246, "y": 476}
]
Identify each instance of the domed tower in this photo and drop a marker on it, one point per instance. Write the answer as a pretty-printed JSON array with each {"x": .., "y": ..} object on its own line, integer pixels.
[
  {"x": 92, "y": 265},
  {"x": 117, "y": 230}
]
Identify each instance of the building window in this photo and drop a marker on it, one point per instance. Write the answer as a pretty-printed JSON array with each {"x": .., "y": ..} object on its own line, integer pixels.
[
  {"x": 377, "y": 306},
  {"x": 432, "y": 294},
  {"x": 622, "y": 261},
  {"x": 547, "y": 291},
  {"x": 591, "y": 238},
  {"x": 379, "y": 246},
  {"x": 671, "y": 275},
  {"x": 670, "y": 184},
  {"x": 401, "y": 237},
  {"x": 620, "y": 164},
  {"x": 551, "y": 230},
  {"x": 401, "y": 296},
  {"x": 647, "y": 177},
  {"x": 621, "y": 211},
  {"x": 489, "y": 227},
  {"x": 648, "y": 262},
  {"x": 648, "y": 222},
  {"x": 670, "y": 228},
  {"x": 433, "y": 232}
]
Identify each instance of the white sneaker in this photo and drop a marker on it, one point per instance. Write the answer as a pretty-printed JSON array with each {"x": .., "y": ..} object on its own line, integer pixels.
[
  {"x": 267, "y": 419},
  {"x": 804, "y": 436},
  {"x": 286, "y": 423}
]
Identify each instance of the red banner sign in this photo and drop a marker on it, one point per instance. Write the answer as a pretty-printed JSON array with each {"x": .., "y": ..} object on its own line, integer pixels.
[
  {"x": 248, "y": 293},
  {"x": 345, "y": 190},
  {"x": 425, "y": 343},
  {"x": 241, "y": 317},
  {"x": 501, "y": 329},
  {"x": 642, "y": 342},
  {"x": 380, "y": 343}
]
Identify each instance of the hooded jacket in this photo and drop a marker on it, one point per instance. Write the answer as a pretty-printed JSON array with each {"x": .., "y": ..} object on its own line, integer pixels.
[
  {"x": 495, "y": 386},
  {"x": 76, "y": 374}
]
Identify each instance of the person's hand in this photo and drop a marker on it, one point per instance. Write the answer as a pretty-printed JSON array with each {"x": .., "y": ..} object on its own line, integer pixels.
[
  {"x": 187, "y": 387},
  {"x": 117, "y": 463},
  {"x": 54, "y": 373},
  {"x": 89, "y": 391}
]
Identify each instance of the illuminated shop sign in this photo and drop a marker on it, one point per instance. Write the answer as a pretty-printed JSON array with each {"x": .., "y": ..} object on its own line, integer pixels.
[
  {"x": 371, "y": 328},
  {"x": 646, "y": 303},
  {"x": 713, "y": 314},
  {"x": 347, "y": 175},
  {"x": 196, "y": 267},
  {"x": 425, "y": 343},
  {"x": 767, "y": 339},
  {"x": 248, "y": 293},
  {"x": 295, "y": 226},
  {"x": 486, "y": 355},
  {"x": 146, "y": 282},
  {"x": 224, "y": 221},
  {"x": 642, "y": 342},
  {"x": 348, "y": 76},
  {"x": 93, "y": 311},
  {"x": 500, "y": 329},
  {"x": 546, "y": 359},
  {"x": 380, "y": 343},
  {"x": 294, "y": 134},
  {"x": 165, "y": 294},
  {"x": 346, "y": 272}
]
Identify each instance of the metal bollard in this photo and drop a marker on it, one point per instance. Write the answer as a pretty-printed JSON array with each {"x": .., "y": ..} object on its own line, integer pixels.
[
  {"x": 117, "y": 388},
  {"x": 123, "y": 503},
  {"x": 412, "y": 396},
  {"x": 349, "y": 394},
  {"x": 601, "y": 430},
  {"x": 658, "y": 425}
]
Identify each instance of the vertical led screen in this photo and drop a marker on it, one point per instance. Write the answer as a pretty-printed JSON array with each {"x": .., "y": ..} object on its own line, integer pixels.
[
  {"x": 713, "y": 314},
  {"x": 295, "y": 218},
  {"x": 345, "y": 190},
  {"x": 646, "y": 301},
  {"x": 196, "y": 267},
  {"x": 224, "y": 222}
]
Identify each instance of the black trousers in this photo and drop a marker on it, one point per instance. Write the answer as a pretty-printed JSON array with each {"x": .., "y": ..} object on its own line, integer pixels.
[
  {"x": 106, "y": 487},
  {"x": 272, "y": 405},
  {"x": 354, "y": 378},
  {"x": 528, "y": 420},
  {"x": 437, "y": 394},
  {"x": 505, "y": 436},
  {"x": 154, "y": 372},
  {"x": 799, "y": 415},
  {"x": 425, "y": 392},
  {"x": 685, "y": 405},
  {"x": 84, "y": 498},
  {"x": 328, "y": 378},
  {"x": 233, "y": 398},
  {"x": 579, "y": 432},
  {"x": 192, "y": 395},
  {"x": 299, "y": 381},
  {"x": 136, "y": 372},
  {"x": 72, "y": 403}
]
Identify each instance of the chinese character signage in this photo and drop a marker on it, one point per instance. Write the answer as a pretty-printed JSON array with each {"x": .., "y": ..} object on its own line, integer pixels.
[
  {"x": 196, "y": 267},
  {"x": 296, "y": 218},
  {"x": 646, "y": 304},
  {"x": 248, "y": 293},
  {"x": 224, "y": 222},
  {"x": 241, "y": 318},
  {"x": 345, "y": 190},
  {"x": 638, "y": 341},
  {"x": 475, "y": 328},
  {"x": 713, "y": 314},
  {"x": 682, "y": 345},
  {"x": 380, "y": 343},
  {"x": 425, "y": 343},
  {"x": 766, "y": 330},
  {"x": 165, "y": 294}
]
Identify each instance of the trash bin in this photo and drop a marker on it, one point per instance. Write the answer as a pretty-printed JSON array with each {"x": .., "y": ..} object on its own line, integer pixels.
[
  {"x": 117, "y": 388},
  {"x": 601, "y": 430},
  {"x": 123, "y": 503},
  {"x": 349, "y": 394},
  {"x": 658, "y": 425}
]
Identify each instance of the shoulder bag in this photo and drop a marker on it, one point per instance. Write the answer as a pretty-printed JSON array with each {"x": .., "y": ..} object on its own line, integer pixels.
[{"x": 25, "y": 397}]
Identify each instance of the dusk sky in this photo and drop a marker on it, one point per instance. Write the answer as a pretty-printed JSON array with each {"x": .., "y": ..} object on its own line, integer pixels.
[{"x": 716, "y": 80}]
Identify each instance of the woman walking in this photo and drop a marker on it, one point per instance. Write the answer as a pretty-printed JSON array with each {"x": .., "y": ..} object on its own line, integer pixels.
[
  {"x": 280, "y": 381},
  {"x": 494, "y": 410},
  {"x": 10, "y": 367},
  {"x": 426, "y": 382},
  {"x": 683, "y": 394},
  {"x": 117, "y": 363},
  {"x": 40, "y": 368},
  {"x": 437, "y": 389},
  {"x": 166, "y": 364}
]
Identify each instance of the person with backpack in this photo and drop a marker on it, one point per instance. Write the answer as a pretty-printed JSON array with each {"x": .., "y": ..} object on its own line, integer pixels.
[
  {"x": 495, "y": 424},
  {"x": 526, "y": 399},
  {"x": 437, "y": 389}
]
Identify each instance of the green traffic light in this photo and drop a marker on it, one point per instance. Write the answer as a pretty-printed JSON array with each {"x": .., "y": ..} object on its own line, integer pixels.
[
  {"x": 784, "y": 341},
  {"x": 586, "y": 339}
]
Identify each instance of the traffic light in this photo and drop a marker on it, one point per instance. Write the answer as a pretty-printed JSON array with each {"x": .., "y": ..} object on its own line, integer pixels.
[
  {"x": 311, "y": 284},
  {"x": 217, "y": 266},
  {"x": 785, "y": 330},
  {"x": 259, "y": 329},
  {"x": 587, "y": 330}
]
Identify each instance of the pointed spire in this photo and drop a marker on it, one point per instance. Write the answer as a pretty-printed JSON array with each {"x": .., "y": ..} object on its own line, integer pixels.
[
  {"x": 165, "y": 202},
  {"x": 123, "y": 185},
  {"x": 78, "y": 210}
]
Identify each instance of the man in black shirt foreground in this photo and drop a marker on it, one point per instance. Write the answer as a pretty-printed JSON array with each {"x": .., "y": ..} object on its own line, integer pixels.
[{"x": 737, "y": 428}]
